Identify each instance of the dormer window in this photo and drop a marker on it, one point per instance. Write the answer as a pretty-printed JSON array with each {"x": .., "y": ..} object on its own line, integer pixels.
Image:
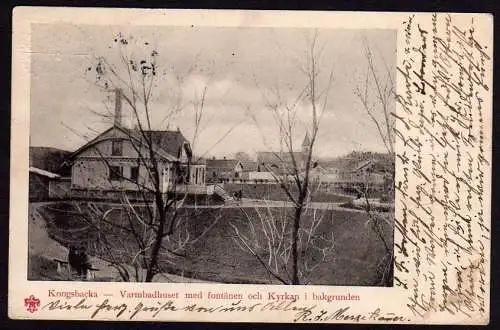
[{"x": 117, "y": 148}]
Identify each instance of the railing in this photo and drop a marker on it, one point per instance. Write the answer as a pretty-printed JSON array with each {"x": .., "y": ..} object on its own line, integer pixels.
[
  {"x": 219, "y": 190},
  {"x": 190, "y": 189}
]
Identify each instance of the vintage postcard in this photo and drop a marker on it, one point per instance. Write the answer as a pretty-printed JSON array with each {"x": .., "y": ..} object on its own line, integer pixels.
[{"x": 250, "y": 166}]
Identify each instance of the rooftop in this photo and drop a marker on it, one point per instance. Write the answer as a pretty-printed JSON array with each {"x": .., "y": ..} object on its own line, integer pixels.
[
  {"x": 228, "y": 164},
  {"x": 43, "y": 172}
]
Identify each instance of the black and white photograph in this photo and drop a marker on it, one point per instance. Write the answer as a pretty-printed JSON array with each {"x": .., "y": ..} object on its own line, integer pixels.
[
  {"x": 201, "y": 154},
  {"x": 251, "y": 166}
]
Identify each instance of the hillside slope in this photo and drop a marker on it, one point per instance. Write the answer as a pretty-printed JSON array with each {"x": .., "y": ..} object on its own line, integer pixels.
[
  {"x": 43, "y": 250},
  {"x": 217, "y": 257}
]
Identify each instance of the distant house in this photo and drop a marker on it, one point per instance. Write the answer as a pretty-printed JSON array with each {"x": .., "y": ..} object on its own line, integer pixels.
[
  {"x": 248, "y": 165},
  {"x": 373, "y": 175},
  {"x": 356, "y": 172},
  {"x": 368, "y": 172},
  {"x": 39, "y": 184},
  {"x": 48, "y": 175},
  {"x": 223, "y": 170},
  {"x": 283, "y": 162},
  {"x": 117, "y": 160}
]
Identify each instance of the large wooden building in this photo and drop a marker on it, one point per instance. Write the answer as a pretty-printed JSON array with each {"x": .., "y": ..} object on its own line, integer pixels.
[
  {"x": 119, "y": 159},
  {"x": 122, "y": 159}
]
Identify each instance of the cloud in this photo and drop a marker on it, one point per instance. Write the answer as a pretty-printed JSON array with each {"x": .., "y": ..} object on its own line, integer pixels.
[{"x": 239, "y": 66}]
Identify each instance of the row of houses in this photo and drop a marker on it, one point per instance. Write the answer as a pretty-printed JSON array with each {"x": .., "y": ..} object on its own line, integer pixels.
[
  {"x": 370, "y": 172},
  {"x": 121, "y": 159},
  {"x": 267, "y": 168},
  {"x": 110, "y": 163}
]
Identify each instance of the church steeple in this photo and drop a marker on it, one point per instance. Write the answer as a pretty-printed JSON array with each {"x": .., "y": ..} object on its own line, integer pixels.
[{"x": 306, "y": 144}]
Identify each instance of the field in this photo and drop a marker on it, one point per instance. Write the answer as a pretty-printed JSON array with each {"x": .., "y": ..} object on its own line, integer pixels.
[
  {"x": 217, "y": 257},
  {"x": 274, "y": 192}
]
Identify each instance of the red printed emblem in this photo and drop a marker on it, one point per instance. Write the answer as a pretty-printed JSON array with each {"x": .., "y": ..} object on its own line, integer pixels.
[{"x": 32, "y": 304}]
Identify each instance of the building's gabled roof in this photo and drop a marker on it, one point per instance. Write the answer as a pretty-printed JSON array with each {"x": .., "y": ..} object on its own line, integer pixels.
[
  {"x": 171, "y": 142},
  {"x": 223, "y": 164},
  {"x": 248, "y": 165},
  {"x": 47, "y": 174},
  {"x": 279, "y": 159},
  {"x": 90, "y": 143},
  {"x": 167, "y": 144},
  {"x": 307, "y": 141},
  {"x": 278, "y": 163}
]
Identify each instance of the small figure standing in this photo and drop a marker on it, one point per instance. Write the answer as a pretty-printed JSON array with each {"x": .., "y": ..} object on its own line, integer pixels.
[
  {"x": 237, "y": 195},
  {"x": 84, "y": 263},
  {"x": 73, "y": 259}
]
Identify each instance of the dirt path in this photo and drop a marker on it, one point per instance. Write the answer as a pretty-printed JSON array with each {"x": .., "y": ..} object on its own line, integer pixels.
[
  {"x": 252, "y": 203},
  {"x": 247, "y": 203}
]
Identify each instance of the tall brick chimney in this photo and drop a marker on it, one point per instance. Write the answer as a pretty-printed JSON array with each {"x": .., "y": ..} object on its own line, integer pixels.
[{"x": 118, "y": 107}]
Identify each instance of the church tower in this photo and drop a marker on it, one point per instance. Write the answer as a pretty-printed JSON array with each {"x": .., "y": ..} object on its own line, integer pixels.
[{"x": 306, "y": 144}]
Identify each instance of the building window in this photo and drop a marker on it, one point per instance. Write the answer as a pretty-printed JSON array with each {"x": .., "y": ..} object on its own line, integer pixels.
[
  {"x": 183, "y": 176},
  {"x": 115, "y": 173},
  {"x": 134, "y": 173},
  {"x": 117, "y": 148}
]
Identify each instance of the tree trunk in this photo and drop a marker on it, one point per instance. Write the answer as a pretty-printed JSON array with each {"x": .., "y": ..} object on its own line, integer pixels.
[
  {"x": 153, "y": 263},
  {"x": 389, "y": 278},
  {"x": 295, "y": 247}
]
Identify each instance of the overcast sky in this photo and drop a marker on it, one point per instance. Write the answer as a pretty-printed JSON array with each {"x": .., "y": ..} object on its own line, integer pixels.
[{"x": 238, "y": 66}]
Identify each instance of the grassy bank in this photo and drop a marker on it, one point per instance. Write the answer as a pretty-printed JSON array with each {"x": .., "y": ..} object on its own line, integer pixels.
[{"x": 216, "y": 256}]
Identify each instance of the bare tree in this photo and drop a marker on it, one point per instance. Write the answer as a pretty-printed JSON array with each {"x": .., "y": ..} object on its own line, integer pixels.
[
  {"x": 380, "y": 214},
  {"x": 375, "y": 93},
  {"x": 266, "y": 233},
  {"x": 121, "y": 235},
  {"x": 138, "y": 234},
  {"x": 289, "y": 244}
]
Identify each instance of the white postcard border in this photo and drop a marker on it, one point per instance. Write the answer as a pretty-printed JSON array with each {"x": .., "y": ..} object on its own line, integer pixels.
[{"x": 387, "y": 300}]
